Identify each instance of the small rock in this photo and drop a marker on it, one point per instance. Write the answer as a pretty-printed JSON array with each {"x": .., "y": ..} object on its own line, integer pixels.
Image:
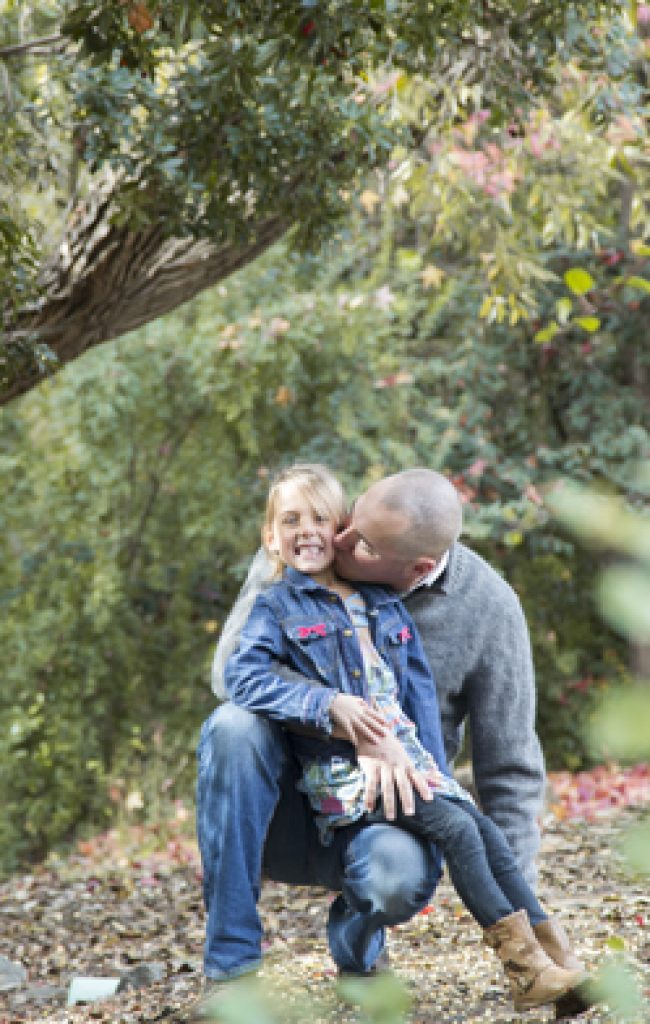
[
  {"x": 91, "y": 989},
  {"x": 12, "y": 975},
  {"x": 141, "y": 976},
  {"x": 37, "y": 994}
]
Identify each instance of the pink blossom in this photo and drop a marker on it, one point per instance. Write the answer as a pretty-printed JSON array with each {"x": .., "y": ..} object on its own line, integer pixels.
[
  {"x": 477, "y": 468},
  {"x": 536, "y": 144}
]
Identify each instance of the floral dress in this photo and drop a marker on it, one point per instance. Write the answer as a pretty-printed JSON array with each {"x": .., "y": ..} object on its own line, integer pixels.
[{"x": 336, "y": 789}]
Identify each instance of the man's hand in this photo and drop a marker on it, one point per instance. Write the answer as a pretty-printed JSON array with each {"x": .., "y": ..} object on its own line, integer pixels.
[
  {"x": 386, "y": 765},
  {"x": 356, "y": 721}
]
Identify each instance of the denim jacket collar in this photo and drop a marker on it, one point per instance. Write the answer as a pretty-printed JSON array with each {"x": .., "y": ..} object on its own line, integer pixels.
[{"x": 373, "y": 594}]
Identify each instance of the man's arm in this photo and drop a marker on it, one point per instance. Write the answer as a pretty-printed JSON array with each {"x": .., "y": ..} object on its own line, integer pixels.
[
  {"x": 476, "y": 641},
  {"x": 507, "y": 757}
]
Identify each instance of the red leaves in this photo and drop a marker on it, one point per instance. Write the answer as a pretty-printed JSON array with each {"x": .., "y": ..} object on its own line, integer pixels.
[
  {"x": 140, "y": 18},
  {"x": 589, "y": 795},
  {"x": 467, "y": 493},
  {"x": 393, "y": 380},
  {"x": 611, "y": 257}
]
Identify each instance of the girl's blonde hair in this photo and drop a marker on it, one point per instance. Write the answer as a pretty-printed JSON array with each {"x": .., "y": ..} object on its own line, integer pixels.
[{"x": 319, "y": 486}]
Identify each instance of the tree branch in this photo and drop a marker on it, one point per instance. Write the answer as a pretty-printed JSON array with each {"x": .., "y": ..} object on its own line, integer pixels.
[
  {"x": 106, "y": 280},
  {"x": 33, "y": 44}
]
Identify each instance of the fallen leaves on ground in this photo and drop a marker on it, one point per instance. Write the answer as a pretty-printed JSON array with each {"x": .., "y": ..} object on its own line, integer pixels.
[
  {"x": 599, "y": 792},
  {"x": 117, "y": 903}
]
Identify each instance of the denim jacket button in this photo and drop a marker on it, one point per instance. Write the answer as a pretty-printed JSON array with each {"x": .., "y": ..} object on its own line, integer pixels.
[
  {"x": 356, "y": 673},
  {"x": 347, "y": 632}
]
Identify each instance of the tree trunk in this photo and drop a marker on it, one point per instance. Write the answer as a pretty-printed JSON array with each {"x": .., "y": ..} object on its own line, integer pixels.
[{"x": 107, "y": 280}]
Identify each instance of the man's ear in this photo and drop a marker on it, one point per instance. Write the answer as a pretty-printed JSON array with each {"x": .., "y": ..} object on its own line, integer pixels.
[{"x": 423, "y": 566}]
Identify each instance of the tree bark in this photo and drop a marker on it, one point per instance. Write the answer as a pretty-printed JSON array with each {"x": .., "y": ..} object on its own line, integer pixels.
[{"x": 106, "y": 280}]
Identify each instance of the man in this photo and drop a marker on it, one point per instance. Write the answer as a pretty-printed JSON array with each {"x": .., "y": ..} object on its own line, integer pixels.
[{"x": 251, "y": 820}]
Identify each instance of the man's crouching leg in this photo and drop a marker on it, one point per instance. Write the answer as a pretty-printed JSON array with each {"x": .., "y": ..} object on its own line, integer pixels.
[
  {"x": 388, "y": 875},
  {"x": 242, "y": 760}
]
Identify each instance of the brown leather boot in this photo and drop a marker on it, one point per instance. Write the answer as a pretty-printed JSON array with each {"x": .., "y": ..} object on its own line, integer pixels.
[
  {"x": 555, "y": 943},
  {"x": 533, "y": 977}
]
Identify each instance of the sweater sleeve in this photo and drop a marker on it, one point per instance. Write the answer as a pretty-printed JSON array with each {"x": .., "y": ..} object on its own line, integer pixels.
[{"x": 507, "y": 757}]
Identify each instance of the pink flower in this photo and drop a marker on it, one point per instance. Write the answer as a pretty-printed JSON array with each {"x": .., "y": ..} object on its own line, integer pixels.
[{"x": 477, "y": 468}]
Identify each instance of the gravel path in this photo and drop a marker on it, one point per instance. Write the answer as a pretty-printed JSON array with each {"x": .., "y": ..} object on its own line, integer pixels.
[{"x": 90, "y": 917}]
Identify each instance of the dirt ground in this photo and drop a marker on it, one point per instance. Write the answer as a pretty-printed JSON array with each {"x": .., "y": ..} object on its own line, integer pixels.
[{"x": 88, "y": 916}]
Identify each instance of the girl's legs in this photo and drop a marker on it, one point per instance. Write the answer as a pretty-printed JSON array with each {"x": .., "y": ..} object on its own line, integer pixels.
[
  {"x": 504, "y": 867},
  {"x": 487, "y": 879},
  {"x": 481, "y": 865}
]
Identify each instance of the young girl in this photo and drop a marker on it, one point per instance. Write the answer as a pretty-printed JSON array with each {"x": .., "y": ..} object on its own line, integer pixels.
[{"x": 368, "y": 674}]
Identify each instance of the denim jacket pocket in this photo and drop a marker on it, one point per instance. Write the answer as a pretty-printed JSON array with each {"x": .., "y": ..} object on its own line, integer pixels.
[
  {"x": 396, "y": 642},
  {"x": 314, "y": 642}
]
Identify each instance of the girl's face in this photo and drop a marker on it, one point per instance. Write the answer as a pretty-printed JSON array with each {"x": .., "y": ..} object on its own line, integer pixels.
[{"x": 301, "y": 534}]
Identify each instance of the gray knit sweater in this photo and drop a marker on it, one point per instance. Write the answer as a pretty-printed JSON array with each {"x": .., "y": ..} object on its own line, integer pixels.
[{"x": 476, "y": 639}]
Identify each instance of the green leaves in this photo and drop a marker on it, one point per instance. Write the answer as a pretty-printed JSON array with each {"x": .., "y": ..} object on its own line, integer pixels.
[
  {"x": 624, "y": 596},
  {"x": 638, "y": 282},
  {"x": 588, "y": 323},
  {"x": 546, "y": 334},
  {"x": 382, "y": 1000},
  {"x": 617, "y": 987},
  {"x": 619, "y": 729},
  {"x": 578, "y": 281},
  {"x": 636, "y": 847}
]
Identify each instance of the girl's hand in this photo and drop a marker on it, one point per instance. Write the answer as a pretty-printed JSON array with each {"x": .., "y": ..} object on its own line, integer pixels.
[{"x": 356, "y": 721}]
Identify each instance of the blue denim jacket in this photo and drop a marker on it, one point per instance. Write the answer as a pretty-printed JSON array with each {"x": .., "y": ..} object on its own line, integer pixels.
[{"x": 299, "y": 623}]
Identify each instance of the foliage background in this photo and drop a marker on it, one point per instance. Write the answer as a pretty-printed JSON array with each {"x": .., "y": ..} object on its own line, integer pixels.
[
  {"x": 137, "y": 481},
  {"x": 482, "y": 308}
]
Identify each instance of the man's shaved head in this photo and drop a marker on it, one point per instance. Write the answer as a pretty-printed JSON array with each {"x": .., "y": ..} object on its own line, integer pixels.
[
  {"x": 399, "y": 529},
  {"x": 430, "y": 505}
]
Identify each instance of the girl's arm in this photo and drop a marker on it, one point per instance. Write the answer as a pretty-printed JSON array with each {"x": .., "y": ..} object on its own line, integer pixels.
[{"x": 252, "y": 683}]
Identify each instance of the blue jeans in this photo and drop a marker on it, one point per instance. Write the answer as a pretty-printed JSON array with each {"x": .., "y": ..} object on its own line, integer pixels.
[
  {"x": 251, "y": 821},
  {"x": 481, "y": 864}
]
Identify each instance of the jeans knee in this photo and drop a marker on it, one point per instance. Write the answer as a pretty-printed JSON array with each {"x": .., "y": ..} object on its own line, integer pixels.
[
  {"x": 458, "y": 831},
  {"x": 234, "y": 734},
  {"x": 394, "y": 874}
]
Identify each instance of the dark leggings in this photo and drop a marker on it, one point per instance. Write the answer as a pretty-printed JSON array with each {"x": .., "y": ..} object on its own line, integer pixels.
[{"x": 480, "y": 862}]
